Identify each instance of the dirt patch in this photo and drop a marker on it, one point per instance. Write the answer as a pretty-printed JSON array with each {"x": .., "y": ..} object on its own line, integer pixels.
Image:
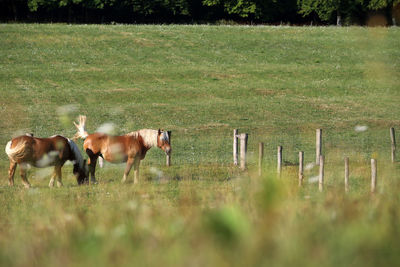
[
  {"x": 268, "y": 92},
  {"x": 212, "y": 125},
  {"x": 225, "y": 76}
]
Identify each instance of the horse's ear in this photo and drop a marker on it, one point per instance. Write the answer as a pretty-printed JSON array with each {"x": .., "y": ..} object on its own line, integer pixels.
[{"x": 159, "y": 131}]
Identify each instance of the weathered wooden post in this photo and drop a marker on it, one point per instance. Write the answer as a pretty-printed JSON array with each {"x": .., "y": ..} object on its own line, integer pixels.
[
  {"x": 235, "y": 147},
  {"x": 169, "y": 155},
  {"x": 321, "y": 173},
  {"x": 260, "y": 157},
  {"x": 243, "y": 150},
  {"x": 393, "y": 141},
  {"x": 373, "y": 175},
  {"x": 279, "y": 166},
  {"x": 346, "y": 174},
  {"x": 301, "y": 168},
  {"x": 318, "y": 146}
]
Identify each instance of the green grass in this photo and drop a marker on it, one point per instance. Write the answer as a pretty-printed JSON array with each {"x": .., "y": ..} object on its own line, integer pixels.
[{"x": 276, "y": 83}]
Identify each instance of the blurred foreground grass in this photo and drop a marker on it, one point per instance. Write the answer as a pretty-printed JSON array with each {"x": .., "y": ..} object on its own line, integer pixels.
[{"x": 242, "y": 220}]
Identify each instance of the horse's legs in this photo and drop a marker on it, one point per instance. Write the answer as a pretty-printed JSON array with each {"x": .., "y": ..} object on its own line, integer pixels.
[
  {"x": 57, "y": 169},
  {"x": 23, "y": 176},
  {"x": 128, "y": 168},
  {"x": 136, "y": 170},
  {"x": 53, "y": 176},
  {"x": 92, "y": 167},
  {"x": 11, "y": 171}
]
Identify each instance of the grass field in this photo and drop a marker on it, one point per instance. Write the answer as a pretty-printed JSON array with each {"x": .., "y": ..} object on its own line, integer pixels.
[{"x": 276, "y": 83}]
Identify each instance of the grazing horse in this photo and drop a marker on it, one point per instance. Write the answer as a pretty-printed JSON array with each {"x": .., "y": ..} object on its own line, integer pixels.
[
  {"x": 130, "y": 148},
  {"x": 43, "y": 152}
]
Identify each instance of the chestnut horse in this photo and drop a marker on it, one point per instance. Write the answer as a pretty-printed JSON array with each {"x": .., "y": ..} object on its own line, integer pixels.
[
  {"x": 130, "y": 148},
  {"x": 43, "y": 152}
]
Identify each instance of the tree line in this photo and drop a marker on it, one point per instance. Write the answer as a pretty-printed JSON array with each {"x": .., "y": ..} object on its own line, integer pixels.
[{"x": 340, "y": 12}]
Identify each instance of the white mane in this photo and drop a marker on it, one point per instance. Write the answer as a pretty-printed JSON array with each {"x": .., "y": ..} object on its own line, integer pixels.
[
  {"x": 149, "y": 136},
  {"x": 77, "y": 153}
]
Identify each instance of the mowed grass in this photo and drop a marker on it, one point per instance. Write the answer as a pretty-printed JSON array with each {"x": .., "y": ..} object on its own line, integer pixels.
[{"x": 276, "y": 83}]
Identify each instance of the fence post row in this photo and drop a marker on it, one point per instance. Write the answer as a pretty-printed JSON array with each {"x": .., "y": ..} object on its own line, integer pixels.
[
  {"x": 393, "y": 141},
  {"x": 320, "y": 160}
]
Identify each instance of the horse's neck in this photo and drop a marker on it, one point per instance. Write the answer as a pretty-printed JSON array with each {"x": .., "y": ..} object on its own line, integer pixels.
[{"x": 148, "y": 136}]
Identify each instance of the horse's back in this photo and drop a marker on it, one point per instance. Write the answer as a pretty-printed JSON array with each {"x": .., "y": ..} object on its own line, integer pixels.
[
  {"x": 112, "y": 148},
  {"x": 31, "y": 149},
  {"x": 54, "y": 143}
]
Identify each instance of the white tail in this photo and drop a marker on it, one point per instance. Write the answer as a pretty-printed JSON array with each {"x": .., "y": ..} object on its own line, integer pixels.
[
  {"x": 101, "y": 162},
  {"x": 81, "y": 128},
  {"x": 17, "y": 152}
]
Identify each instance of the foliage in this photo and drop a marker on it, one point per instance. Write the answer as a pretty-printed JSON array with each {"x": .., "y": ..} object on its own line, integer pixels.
[
  {"x": 326, "y": 9},
  {"x": 241, "y": 8},
  {"x": 259, "y": 11},
  {"x": 380, "y": 4},
  {"x": 99, "y": 4}
]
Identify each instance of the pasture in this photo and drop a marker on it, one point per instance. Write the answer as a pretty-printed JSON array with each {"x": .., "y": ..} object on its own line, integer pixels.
[{"x": 276, "y": 83}]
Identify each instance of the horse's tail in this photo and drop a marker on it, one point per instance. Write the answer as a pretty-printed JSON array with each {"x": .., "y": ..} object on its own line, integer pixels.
[
  {"x": 16, "y": 153},
  {"x": 81, "y": 128},
  {"x": 101, "y": 162}
]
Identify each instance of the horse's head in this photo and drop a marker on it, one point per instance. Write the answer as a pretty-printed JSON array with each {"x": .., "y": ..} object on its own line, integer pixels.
[
  {"x": 81, "y": 172},
  {"x": 163, "y": 141}
]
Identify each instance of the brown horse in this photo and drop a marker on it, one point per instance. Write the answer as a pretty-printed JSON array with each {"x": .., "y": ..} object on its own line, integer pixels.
[
  {"x": 43, "y": 152},
  {"x": 130, "y": 148}
]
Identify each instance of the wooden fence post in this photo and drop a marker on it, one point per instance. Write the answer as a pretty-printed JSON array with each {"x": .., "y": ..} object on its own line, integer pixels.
[
  {"x": 279, "y": 167},
  {"x": 235, "y": 147},
  {"x": 321, "y": 173},
  {"x": 169, "y": 155},
  {"x": 346, "y": 174},
  {"x": 318, "y": 146},
  {"x": 260, "y": 157},
  {"x": 393, "y": 141},
  {"x": 373, "y": 175},
  {"x": 243, "y": 150},
  {"x": 301, "y": 168}
]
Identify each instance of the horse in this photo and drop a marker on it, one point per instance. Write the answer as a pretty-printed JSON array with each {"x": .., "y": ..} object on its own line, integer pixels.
[
  {"x": 130, "y": 148},
  {"x": 43, "y": 152}
]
